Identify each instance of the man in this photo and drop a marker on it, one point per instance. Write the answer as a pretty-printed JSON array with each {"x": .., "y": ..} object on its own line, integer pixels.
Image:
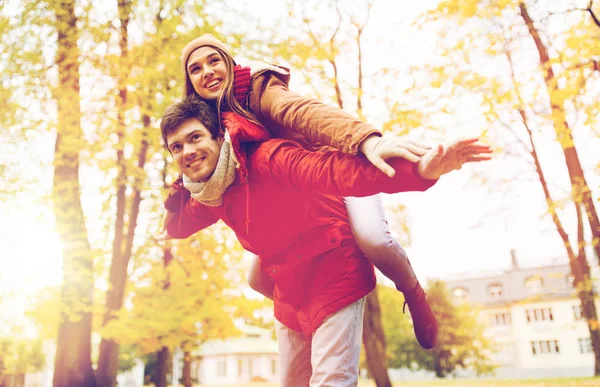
[{"x": 284, "y": 204}]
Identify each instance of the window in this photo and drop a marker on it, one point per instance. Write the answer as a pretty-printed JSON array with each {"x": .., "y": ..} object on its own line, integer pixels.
[
  {"x": 251, "y": 367},
  {"x": 542, "y": 347},
  {"x": 495, "y": 290},
  {"x": 240, "y": 367},
  {"x": 221, "y": 368},
  {"x": 577, "y": 312},
  {"x": 274, "y": 367},
  {"x": 539, "y": 314},
  {"x": 535, "y": 284},
  {"x": 585, "y": 345},
  {"x": 499, "y": 319},
  {"x": 460, "y": 294}
]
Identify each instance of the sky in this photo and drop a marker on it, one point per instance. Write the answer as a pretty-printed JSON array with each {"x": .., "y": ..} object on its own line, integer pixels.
[{"x": 454, "y": 227}]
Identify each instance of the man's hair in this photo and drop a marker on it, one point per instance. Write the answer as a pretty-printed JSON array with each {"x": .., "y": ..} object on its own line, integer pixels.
[{"x": 190, "y": 107}]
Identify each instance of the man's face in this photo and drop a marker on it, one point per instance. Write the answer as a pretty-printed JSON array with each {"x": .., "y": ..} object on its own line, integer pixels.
[
  {"x": 194, "y": 150},
  {"x": 208, "y": 72}
]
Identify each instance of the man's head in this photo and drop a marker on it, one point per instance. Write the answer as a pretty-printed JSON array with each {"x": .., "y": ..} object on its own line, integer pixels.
[{"x": 191, "y": 131}]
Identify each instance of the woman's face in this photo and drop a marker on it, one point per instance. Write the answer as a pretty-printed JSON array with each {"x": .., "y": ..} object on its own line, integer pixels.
[{"x": 208, "y": 72}]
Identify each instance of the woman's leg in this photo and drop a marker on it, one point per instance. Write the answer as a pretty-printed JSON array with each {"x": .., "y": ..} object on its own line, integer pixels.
[{"x": 372, "y": 234}]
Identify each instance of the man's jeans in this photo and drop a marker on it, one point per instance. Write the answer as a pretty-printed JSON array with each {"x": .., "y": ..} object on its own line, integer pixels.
[{"x": 328, "y": 358}]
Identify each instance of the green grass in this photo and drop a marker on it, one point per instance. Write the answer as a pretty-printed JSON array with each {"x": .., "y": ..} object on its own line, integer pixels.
[{"x": 567, "y": 382}]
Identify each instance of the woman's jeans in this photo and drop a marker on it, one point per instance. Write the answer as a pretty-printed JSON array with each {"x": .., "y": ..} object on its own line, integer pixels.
[{"x": 372, "y": 234}]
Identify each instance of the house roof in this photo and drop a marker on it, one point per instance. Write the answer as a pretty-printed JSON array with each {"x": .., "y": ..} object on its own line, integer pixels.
[{"x": 514, "y": 285}]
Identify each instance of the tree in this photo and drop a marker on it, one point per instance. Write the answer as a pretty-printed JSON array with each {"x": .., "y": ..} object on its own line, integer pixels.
[
  {"x": 179, "y": 304},
  {"x": 19, "y": 356},
  {"x": 544, "y": 88},
  {"x": 108, "y": 359},
  {"x": 577, "y": 255},
  {"x": 462, "y": 342},
  {"x": 73, "y": 366},
  {"x": 400, "y": 338},
  {"x": 19, "y": 353},
  {"x": 143, "y": 74}
]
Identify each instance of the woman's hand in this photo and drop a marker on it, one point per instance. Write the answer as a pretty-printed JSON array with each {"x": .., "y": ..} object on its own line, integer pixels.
[
  {"x": 441, "y": 160},
  {"x": 378, "y": 149}
]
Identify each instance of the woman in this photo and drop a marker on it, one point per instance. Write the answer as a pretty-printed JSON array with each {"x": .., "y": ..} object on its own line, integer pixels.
[{"x": 260, "y": 93}]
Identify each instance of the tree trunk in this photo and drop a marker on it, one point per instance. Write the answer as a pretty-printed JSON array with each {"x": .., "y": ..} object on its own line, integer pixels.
[
  {"x": 439, "y": 372},
  {"x": 581, "y": 190},
  {"x": 374, "y": 341},
  {"x": 578, "y": 263},
  {"x": 73, "y": 365},
  {"x": 581, "y": 193},
  {"x": 162, "y": 365},
  {"x": 582, "y": 282},
  {"x": 373, "y": 335},
  {"x": 162, "y": 358},
  {"x": 187, "y": 369},
  {"x": 108, "y": 360}
]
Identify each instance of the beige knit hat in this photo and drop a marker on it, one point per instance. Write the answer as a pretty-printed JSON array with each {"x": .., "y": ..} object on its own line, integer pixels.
[{"x": 204, "y": 40}]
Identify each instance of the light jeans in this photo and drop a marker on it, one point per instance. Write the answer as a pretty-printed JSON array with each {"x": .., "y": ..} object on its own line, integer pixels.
[
  {"x": 330, "y": 357},
  {"x": 373, "y": 236}
]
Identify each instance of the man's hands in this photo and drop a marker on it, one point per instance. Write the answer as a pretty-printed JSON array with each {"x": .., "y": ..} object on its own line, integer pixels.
[
  {"x": 162, "y": 232},
  {"x": 377, "y": 149},
  {"x": 441, "y": 160}
]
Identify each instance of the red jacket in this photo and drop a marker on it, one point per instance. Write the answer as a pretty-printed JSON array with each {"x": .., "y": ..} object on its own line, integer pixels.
[{"x": 285, "y": 206}]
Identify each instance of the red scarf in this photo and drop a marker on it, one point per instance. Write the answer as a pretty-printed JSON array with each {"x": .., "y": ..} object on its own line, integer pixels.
[{"x": 241, "y": 84}]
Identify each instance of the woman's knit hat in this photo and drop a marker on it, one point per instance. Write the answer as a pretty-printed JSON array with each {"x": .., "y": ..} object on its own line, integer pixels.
[{"x": 204, "y": 40}]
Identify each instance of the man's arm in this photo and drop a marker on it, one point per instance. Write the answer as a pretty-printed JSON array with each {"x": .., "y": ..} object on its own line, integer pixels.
[
  {"x": 334, "y": 173},
  {"x": 187, "y": 216},
  {"x": 339, "y": 174}
]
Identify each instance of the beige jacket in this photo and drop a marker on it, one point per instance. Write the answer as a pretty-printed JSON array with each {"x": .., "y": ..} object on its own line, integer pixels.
[{"x": 288, "y": 115}]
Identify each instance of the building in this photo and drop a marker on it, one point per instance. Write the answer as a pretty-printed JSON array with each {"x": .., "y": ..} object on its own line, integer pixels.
[
  {"x": 535, "y": 317},
  {"x": 234, "y": 361}
]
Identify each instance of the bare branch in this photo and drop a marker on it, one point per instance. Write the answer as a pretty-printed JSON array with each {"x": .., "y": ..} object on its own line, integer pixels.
[
  {"x": 592, "y": 14},
  {"x": 360, "y": 28},
  {"x": 336, "y": 82},
  {"x": 533, "y": 151}
]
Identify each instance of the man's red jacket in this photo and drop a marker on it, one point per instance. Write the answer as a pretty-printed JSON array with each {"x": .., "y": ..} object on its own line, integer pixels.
[{"x": 286, "y": 206}]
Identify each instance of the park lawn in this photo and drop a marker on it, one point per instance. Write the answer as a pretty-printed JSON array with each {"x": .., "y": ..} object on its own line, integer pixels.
[{"x": 567, "y": 382}]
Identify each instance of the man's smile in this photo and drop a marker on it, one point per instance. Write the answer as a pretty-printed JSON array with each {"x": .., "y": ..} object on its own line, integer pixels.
[{"x": 196, "y": 163}]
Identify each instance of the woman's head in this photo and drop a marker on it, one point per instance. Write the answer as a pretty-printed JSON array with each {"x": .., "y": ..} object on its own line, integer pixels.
[{"x": 208, "y": 68}]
